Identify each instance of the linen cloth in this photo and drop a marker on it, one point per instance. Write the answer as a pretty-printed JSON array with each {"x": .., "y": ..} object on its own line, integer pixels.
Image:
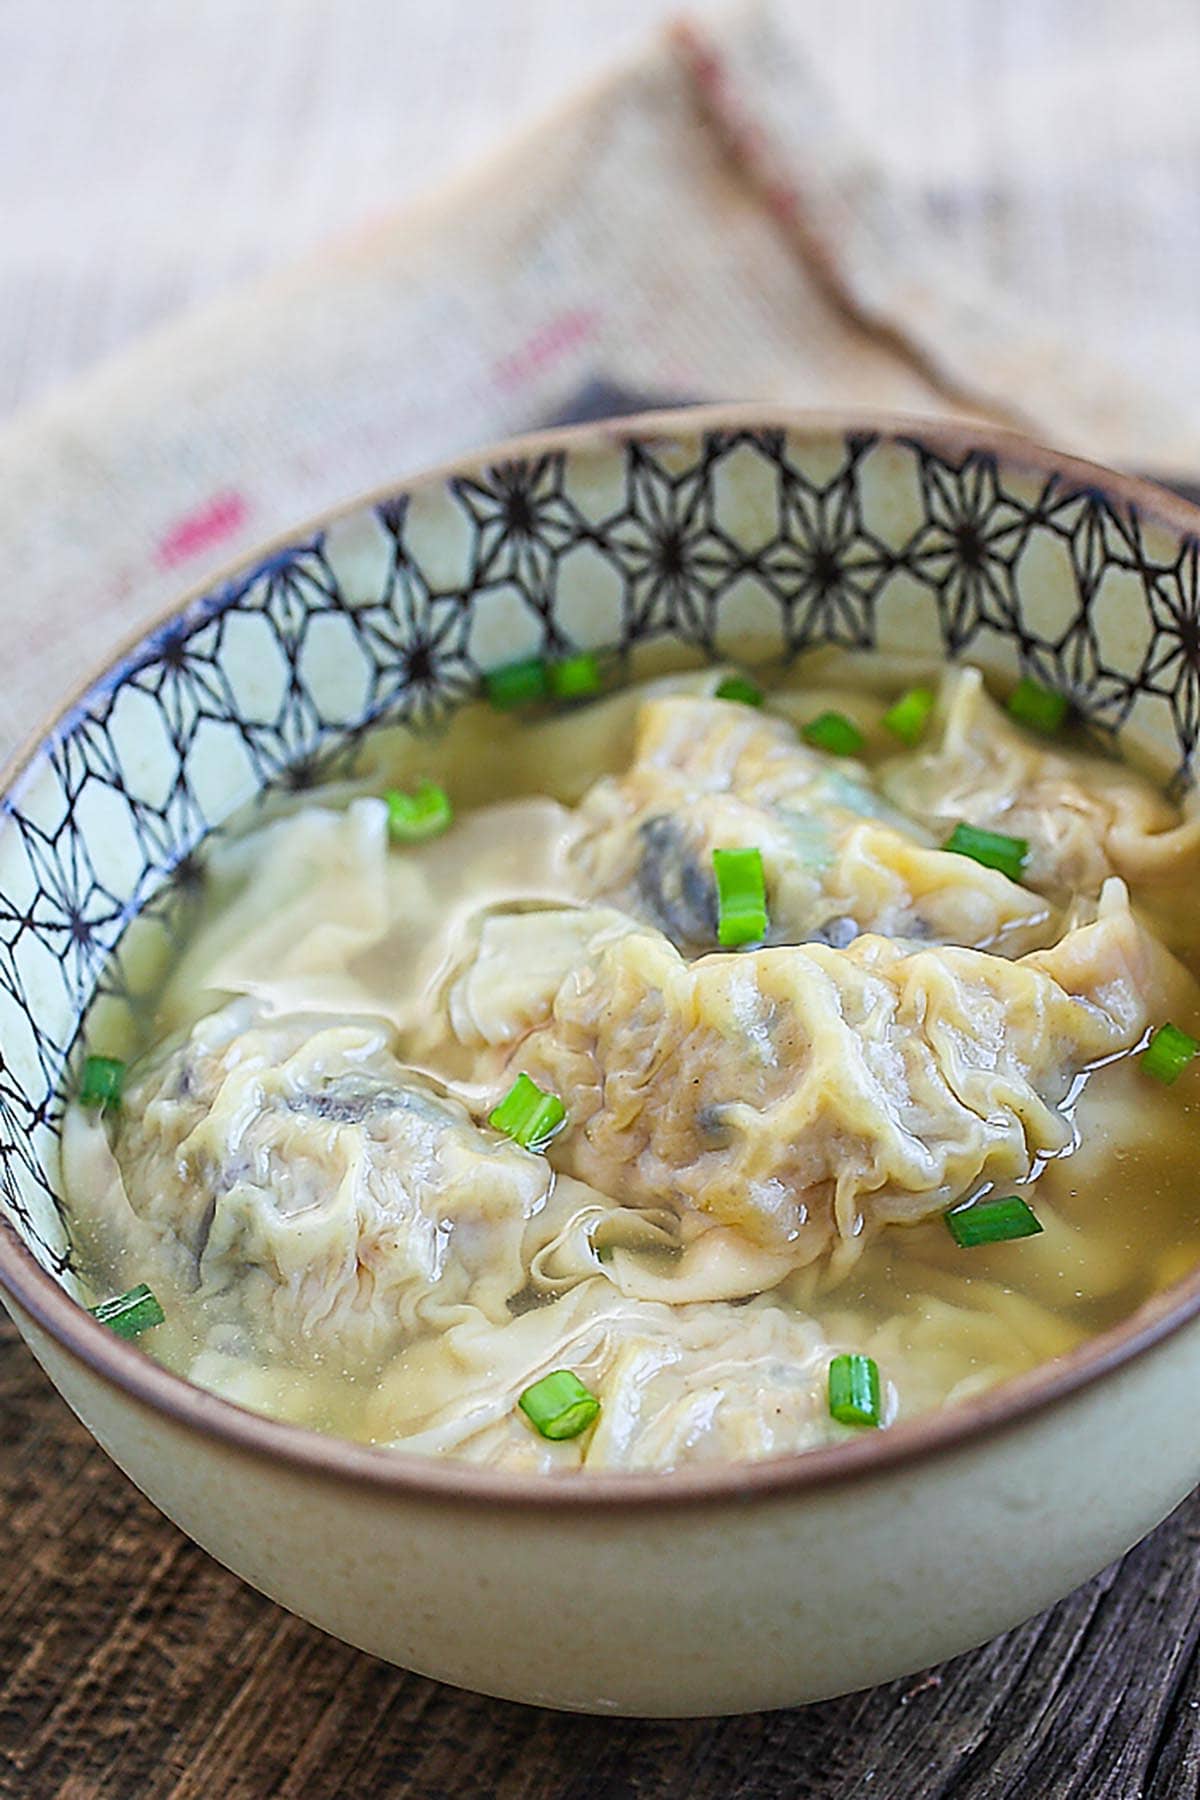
[{"x": 699, "y": 222}]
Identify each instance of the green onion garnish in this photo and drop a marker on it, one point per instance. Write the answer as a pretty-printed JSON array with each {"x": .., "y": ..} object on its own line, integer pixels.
[
  {"x": 527, "y": 1115},
  {"x": 130, "y": 1314},
  {"x": 575, "y": 677},
  {"x": 741, "y": 897},
  {"x": 993, "y": 849},
  {"x": 992, "y": 1222},
  {"x": 517, "y": 684},
  {"x": 102, "y": 1081},
  {"x": 737, "y": 687},
  {"x": 414, "y": 817},
  {"x": 834, "y": 732},
  {"x": 854, "y": 1390},
  {"x": 1168, "y": 1053},
  {"x": 1037, "y": 706},
  {"x": 559, "y": 1405},
  {"x": 908, "y": 718}
]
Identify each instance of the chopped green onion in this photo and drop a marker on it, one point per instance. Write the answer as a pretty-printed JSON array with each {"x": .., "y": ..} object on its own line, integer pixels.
[
  {"x": 517, "y": 684},
  {"x": 909, "y": 716},
  {"x": 854, "y": 1390},
  {"x": 559, "y": 1405},
  {"x": 992, "y": 1222},
  {"x": 130, "y": 1314},
  {"x": 1037, "y": 706},
  {"x": 834, "y": 732},
  {"x": 737, "y": 687},
  {"x": 414, "y": 817},
  {"x": 741, "y": 897},
  {"x": 993, "y": 849},
  {"x": 527, "y": 1115},
  {"x": 1168, "y": 1053},
  {"x": 103, "y": 1079},
  {"x": 575, "y": 677}
]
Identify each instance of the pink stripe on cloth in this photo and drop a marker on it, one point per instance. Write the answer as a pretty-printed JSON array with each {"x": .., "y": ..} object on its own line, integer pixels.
[
  {"x": 201, "y": 529},
  {"x": 559, "y": 334}
]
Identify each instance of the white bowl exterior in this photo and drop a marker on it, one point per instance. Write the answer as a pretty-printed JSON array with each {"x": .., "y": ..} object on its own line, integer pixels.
[{"x": 732, "y": 1605}]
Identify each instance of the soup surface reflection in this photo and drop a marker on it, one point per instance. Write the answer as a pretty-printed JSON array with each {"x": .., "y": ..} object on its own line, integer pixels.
[{"x": 655, "y": 1100}]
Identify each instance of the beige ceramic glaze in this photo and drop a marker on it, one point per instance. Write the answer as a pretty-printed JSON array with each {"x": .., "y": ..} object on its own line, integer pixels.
[{"x": 706, "y": 1591}]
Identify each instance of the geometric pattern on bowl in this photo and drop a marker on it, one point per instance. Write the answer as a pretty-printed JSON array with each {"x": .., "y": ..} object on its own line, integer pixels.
[{"x": 789, "y": 538}]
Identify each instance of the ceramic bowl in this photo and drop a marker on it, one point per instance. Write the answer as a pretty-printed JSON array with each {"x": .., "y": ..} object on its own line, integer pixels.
[{"x": 696, "y": 1592}]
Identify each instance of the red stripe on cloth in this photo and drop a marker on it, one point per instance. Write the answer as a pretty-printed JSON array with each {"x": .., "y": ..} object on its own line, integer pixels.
[
  {"x": 200, "y": 529},
  {"x": 551, "y": 340}
]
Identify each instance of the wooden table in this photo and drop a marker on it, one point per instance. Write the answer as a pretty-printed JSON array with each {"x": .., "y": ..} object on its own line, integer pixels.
[{"x": 132, "y": 1665}]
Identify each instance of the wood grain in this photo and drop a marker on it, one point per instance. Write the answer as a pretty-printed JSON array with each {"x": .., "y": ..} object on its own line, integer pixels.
[{"x": 131, "y": 1665}]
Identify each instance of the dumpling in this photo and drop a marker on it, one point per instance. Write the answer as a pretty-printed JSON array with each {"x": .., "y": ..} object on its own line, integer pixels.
[
  {"x": 518, "y": 962},
  {"x": 322, "y": 1198},
  {"x": 677, "y": 1384},
  {"x": 838, "y": 858},
  {"x": 806, "y": 1095},
  {"x": 1084, "y": 818}
]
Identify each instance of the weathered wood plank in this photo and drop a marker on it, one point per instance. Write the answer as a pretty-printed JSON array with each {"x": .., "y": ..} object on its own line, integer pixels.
[{"x": 131, "y": 1665}]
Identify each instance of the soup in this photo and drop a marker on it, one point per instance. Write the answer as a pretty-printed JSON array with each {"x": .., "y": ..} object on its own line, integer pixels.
[{"x": 702, "y": 1071}]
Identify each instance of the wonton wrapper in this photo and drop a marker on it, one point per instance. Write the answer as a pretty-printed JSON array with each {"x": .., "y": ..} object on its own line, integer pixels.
[
  {"x": 318, "y": 1193},
  {"x": 680, "y": 1384},
  {"x": 837, "y": 857},
  {"x": 1084, "y": 817},
  {"x": 317, "y": 911},
  {"x": 807, "y": 1095}
]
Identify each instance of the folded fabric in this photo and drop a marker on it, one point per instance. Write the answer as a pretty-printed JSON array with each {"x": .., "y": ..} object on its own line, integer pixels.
[{"x": 694, "y": 225}]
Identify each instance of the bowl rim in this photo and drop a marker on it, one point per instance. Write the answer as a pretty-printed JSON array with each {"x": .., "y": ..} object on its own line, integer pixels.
[{"x": 37, "y": 1294}]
